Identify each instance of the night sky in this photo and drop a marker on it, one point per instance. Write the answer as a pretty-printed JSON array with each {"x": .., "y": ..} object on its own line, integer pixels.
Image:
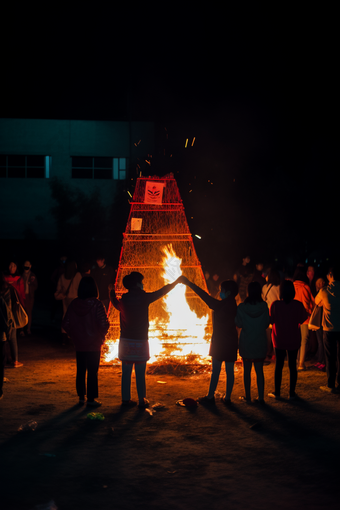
[{"x": 255, "y": 88}]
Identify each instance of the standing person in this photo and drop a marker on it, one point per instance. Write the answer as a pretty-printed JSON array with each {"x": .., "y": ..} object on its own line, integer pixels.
[
  {"x": 14, "y": 278},
  {"x": 104, "y": 276},
  {"x": 311, "y": 279},
  {"x": 133, "y": 346},
  {"x": 59, "y": 270},
  {"x": 253, "y": 317},
  {"x": 5, "y": 325},
  {"x": 10, "y": 296},
  {"x": 31, "y": 285},
  {"x": 329, "y": 299},
  {"x": 258, "y": 274},
  {"x": 224, "y": 340},
  {"x": 86, "y": 324},
  {"x": 243, "y": 277},
  {"x": 303, "y": 294},
  {"x": 67, "y": 289},
  {"x": 286, "y": 316},
  {"x": 270, "y": 293},
  {"x": 320, "y": 358}
]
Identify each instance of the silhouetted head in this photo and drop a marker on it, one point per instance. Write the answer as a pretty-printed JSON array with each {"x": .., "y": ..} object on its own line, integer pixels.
[
  {"x": 87, "y": 288},
  {"x": 333, "y": 274},
  {"x": 300, "y": 275},
  {"x": 70, "y": 269},
  {"x": 254, "y": 293},
  {"x": 287, "y": 291},
  {"x": 133, "y": 280},
  {"x": 229, "y": 286},
  {"x": 274, "y": 277}
]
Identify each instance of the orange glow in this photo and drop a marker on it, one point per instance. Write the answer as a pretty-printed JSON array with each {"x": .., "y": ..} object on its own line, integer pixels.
[
  {"x": 180, "y": 323},
  {"x": 183, "y": 333}
]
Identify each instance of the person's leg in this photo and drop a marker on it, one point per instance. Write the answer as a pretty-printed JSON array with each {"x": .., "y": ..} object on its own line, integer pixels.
[
  {"x": 330, "y": 348},
  {"x": 81, "y": 374},
  {"x": 304, "y": 340},
  {"x": 321, "y": 353},
  {"x": 292, "y": 355},
  {"x": 269, "y": 344},
  {"x": 229, "y": 368},
  {"x": 215, "y": 374},
  {"x": 93, "y": 360},
  {"x": 13, "y": 345},
  {"x": 280, "y": 355},
  {"x": 259, "y": 378},
  {"x": 140, "y": 369},
  {"x": 247, "y": 365},
  {"x": 29, "y": 308},
  {"x": 2, "y": 364},
  {"x": 126, "y": 380},
  {"x": 337, "y": 340}
]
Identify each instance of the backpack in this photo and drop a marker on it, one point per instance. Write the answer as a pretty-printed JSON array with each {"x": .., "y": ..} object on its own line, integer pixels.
[{"x": 20, "y": 317}]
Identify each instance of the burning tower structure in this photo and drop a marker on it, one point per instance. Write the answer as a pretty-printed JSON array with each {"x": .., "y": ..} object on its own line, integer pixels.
[{"x": 157, "y": 242}]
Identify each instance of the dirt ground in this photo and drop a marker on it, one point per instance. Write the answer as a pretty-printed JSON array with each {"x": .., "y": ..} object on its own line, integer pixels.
[{"x": 281, "y": 455}]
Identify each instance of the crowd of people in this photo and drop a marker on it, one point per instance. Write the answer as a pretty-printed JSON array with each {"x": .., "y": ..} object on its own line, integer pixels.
[
  {"x": 17, "y": 292},
  {"x": 263, "y": 315}
]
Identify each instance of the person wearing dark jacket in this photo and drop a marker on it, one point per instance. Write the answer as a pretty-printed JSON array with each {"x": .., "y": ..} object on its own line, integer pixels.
[
  {"x": 86, "y": 324},
  {"x": 5, "y": 326},
  {"x": 31, "y": 285},
  {"x": 253, "y": 317},
  {"x": 133, "y": 348},
  {"x": 224, "y": 339}
]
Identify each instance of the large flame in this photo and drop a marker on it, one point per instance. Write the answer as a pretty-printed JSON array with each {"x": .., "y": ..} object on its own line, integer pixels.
[{"x": 184, "y": 333}]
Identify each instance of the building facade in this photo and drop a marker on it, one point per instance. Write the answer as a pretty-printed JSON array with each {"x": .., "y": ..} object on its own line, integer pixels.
[{"x": 83, "y": 156}]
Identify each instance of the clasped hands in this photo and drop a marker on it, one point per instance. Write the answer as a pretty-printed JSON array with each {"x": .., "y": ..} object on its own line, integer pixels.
[{"x": 182, "y": 279}]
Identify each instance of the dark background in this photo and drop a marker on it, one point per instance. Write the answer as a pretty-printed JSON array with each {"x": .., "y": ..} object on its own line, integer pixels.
[{"x": 256, "y": 89}]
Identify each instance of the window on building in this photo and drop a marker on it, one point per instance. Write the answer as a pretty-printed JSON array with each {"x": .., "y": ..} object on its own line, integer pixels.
[
  {"x": 21, "y": 167},
  {"x": 84, "y": 167}
]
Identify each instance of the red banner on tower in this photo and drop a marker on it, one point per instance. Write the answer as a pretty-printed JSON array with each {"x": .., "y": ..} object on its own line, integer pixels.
[{"x": 153, "y": 192}]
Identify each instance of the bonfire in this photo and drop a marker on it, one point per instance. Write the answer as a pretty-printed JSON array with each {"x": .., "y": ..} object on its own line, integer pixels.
[{"x": 157, "y": 242}]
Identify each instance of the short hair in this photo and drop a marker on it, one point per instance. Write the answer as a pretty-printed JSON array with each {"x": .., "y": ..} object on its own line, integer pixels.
[
  {"x": 300, "y": 275},
  {"x": 335, "y": 272},
  {"x": 274, "y": 277},
  {"x": 87, "y": 288},
  {"x": 70, "y": 269},
  {"x": 130, "y": 280},
  {"x": 320, "y": 283},
  {"x": 254, "y": 293},
  {"x": 230, "y": 286},
  {"x": 287, "y": 291}
]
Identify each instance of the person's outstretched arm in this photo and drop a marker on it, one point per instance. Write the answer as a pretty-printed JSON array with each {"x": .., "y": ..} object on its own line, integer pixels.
[
  {"x": 153, "y": 296},
  {"x": 209, "y": 300},
  {"x": 113, "y": 298}
]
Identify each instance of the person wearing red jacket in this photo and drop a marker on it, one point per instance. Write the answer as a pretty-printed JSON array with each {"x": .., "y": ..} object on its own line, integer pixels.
[
  {"x": 16, "y": 281},
  {"x": 305, "y": 296},
  {"x": 86, "y": 323}
]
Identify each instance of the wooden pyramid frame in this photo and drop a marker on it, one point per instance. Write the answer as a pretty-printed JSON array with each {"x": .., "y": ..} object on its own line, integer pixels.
[{"x": 157, "y": 220}]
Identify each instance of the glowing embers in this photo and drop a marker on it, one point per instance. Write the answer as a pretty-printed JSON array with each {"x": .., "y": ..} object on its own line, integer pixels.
[{"x": 179, "y": 335}]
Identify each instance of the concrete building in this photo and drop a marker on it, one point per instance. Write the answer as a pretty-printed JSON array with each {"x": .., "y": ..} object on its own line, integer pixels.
[{"x": 84, "y": 157}]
